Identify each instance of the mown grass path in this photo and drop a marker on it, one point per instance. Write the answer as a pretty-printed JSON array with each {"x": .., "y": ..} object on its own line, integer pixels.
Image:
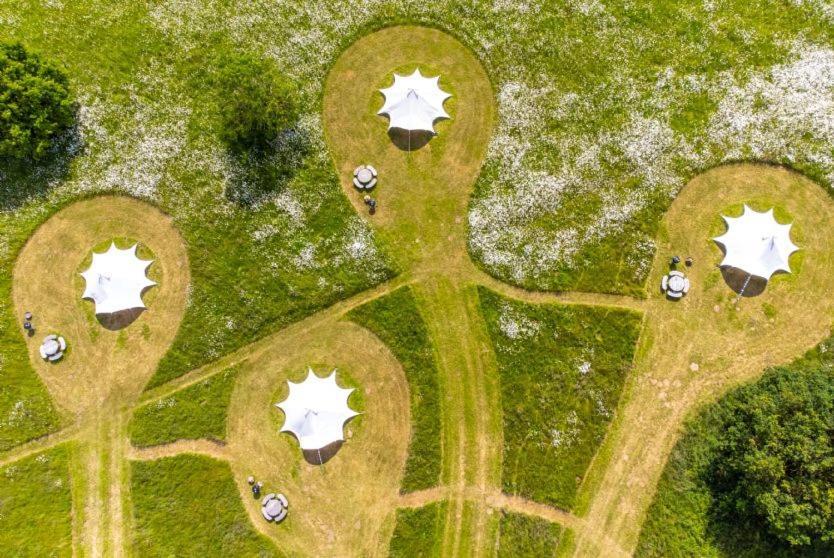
[
  {"x": 423, "y": 197},
  {"x": 694, "y": 350},
  {"x": 689, "y": 353},
  {"x": 104, "y": 370}
]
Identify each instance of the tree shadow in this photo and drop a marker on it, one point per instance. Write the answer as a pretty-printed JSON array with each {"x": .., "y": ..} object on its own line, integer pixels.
[
  {"x": 323, "y": 455},
  {"x": 736, "y": 278},
  {"x": 24, "y": 180},
  {"x": 409, "y": 141},
  {"x": 258, "y": 174},
  {"x": 119, "y": 320}
]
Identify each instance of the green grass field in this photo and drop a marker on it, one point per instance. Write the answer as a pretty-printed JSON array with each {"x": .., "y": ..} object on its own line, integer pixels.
[
  {"x": 509, "y": 271},
  {"x": 396, "y": 320},
  {"x": 198, "y": 411},
  {"x": 188, "y": 505},
  {"x": 418, "y": 532},
  {"x": 561, "y": 371},
  {"x": 36, "y": 505},
  {"x": 523, "y": 536}
]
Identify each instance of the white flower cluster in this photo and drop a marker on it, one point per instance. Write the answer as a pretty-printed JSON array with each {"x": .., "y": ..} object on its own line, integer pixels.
[
  {"x": 783, "y": 114},
  {"x": 515, "y": 325}
]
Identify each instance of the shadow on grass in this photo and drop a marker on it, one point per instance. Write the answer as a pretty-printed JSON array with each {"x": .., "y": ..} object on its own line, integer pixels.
[
  {"x": 258, "y": 174},
  {"x": 323, "y": 455},
  {"x": 119, "y": 320},
  {"x": 24, "y": 180},
  {"x": 736, "y": 279},
  {"x": 409, "y": 141}
]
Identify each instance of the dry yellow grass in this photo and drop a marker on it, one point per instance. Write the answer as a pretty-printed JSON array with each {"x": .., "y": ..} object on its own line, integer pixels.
[
  {"x": 424, "y": 195},
  {"x": 345, "y": 507},
  {"x": 104, "y": 371},
  {"x": 728, "y": 343}
]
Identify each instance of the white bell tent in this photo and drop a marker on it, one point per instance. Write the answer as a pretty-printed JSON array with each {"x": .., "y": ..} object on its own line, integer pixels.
[
  {"x": 414, "y": 102},
  {"x": 316, "y": 410},
  {"x": 756, "y": 243},
  {"x": 116, "y": 279}
]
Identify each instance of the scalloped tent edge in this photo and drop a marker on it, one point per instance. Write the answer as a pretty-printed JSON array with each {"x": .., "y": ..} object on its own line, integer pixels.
[
  {"x": 116, "y": 280},
  {"x": 316, "y": 410},
  {"x": 756, "y": 243},
  {"x": 414, "y": 102}
]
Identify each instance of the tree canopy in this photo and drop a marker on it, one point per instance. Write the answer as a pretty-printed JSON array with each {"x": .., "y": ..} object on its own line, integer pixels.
[
  {"x": 775, "y": 462},
  {"x": 35, "y": 103},
  {"x": 258, "y": 103},
  {"x": 259, "y": 111}
]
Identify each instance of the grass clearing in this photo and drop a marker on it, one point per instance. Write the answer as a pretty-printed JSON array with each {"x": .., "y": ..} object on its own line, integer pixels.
[
  {"x": 396, "y": 320},
  {"x": 418, "y": 532},
  {"x": 562, "y": 368},
  {"x": 525, "y": 536},
  {"x": 423, "y": 201},
  {"x": 196, "y": 498},
  {"x": 100, "y": 363},
  {"x": 682, "y": 520},
  {"x": 149, "y": 128},
  {"x": 346, "y": 506},
  {"x": 198, "y": 411},
  {"x": 36, "y": 505},
  {"x": 693, "y": 351}
]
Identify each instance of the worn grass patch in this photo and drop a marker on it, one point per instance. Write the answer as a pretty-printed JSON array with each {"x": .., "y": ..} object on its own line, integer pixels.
[
  {"x": 418, "y": 532},
  {"x": 36, "y": 505},
  {"x": 561, "y": 371},
  {"x": 525, "y": 536},
  {"x": 188, "y": 505},
  {"x": 681, "y": 520},
  {"x": 198, "y": 411},
  {"x": 396, "y": 320}
]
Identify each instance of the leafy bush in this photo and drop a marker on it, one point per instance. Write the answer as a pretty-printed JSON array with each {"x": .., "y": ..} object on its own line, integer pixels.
[
  {"x": 524, "y": 536},
  {"x": 418, "y": 532},
  {"x": 561, "y": 371},
  {"x": 188, "y": 505},
  {"x": 198, "y": 411},
  {"x": 257, "y": 102},
  {"x": 396, "y": 320},
  {"x": 259, "y": 112},
  {"x": 774, "y": 466},
  {"x": 36, "y": 506},
  {"x": 752, "y": 475},
  {"x": 35, "y": 103}
]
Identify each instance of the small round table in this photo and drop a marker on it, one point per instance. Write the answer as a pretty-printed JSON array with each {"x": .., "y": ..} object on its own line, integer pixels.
[
  {"x": 364, "y": 177},
  {"x": 274, "y": 507},
  {"x": 675, "y": 284},
  {"x": 52, "y": 348}
]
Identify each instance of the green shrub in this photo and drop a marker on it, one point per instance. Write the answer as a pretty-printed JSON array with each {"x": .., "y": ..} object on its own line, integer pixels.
[
  {"x": 35, "y": 103},
  {"x": 751, "y": 476},
  {"x": 524, "y": 536},
  {"x": 257, "y": 102},
  {"x": 36, "y": 506},
  {"x": 198, "y": 411},
  {"x": 774, "y": 466},
  {"x": 396, "y": 320},
  {"x": 418, "y": 532},
  {"x": 561, "y": 370},
  {"x": 188, "y": 505}
]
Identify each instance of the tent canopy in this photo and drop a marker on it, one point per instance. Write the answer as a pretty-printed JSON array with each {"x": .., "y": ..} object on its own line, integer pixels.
[
  {"x": 116, "y": 279},
  {"x": 316, "y": 410},
  {"x": 414, "y": 102},
  {"x": 756, "y": 243}
]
